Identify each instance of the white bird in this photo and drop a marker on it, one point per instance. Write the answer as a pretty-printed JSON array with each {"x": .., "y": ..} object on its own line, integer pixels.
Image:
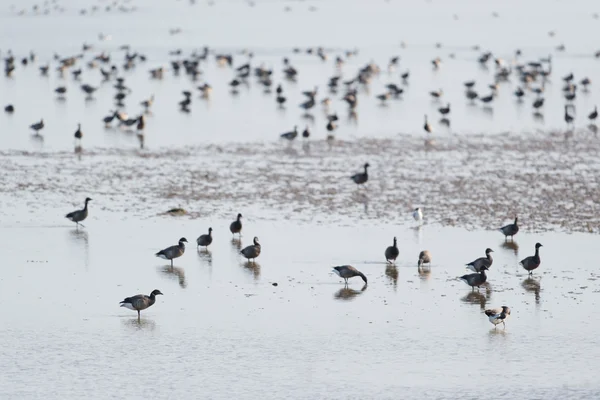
[
  {"x": 418, "y": 214},
  {"x": 498, "y": 315}
]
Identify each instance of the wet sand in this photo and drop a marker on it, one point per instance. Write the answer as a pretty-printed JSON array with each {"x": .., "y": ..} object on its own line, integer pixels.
[{"x": 223, "y": 330}]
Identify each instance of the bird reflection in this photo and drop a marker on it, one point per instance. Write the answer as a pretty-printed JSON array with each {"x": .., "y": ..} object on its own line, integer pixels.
[
  {"x": 532, "y": 285},
  {"x": 236, "y": 243},
  {"x": 363, "y": 199},
  {"x": 424, "y": 272},
  {"x": 205, "y": 255},
  {"x": 81, "y": 236},
  {"x": 253, "y": 267},
  {"x": 511, "y": 246},
  {"x": 139, "y": 324},
  {"x": 392, "y": 273},
  {"x": 347, "y": 293},
  {"x": 478, "y": 298},
  {"x": 177, "y": 272}
]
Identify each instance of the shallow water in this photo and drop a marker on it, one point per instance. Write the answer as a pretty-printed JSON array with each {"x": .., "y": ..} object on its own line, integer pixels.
[{"x": 223, "y": 330}]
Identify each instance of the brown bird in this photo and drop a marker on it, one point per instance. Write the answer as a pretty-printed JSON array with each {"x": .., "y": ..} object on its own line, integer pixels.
[
  {"x": 424, "y": 258},
  {"x": 140, "y": 302}
]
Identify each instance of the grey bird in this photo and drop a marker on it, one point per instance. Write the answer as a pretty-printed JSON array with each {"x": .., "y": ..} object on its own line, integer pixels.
[
  {"x": 361, "y": 177},
  {"x": 477, "y": 279},
  {"x": 486, "y": 261},
  {"x": 510, "y": 229},
  {"x": 252, "y": 251},
  {"x": 37, "y": 127},
  {"x": 424, "y": 258},
  {"x": 79, "y": 215},
  {"x": 140, "y": 302},
  {"x": 392, "y": 252},
  {"x": 498, "y": 315},
  {"x": 173, "y": 252},
  {"x": 290, "y": 135},
  {"x": 236, "y": 226},
  {"x": 205, "y": 240},
  {"x": 532, "y": 262},
  {"x": 348, "y": 271}
]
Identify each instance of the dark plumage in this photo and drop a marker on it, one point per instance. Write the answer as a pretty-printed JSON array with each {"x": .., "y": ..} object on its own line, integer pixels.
[
  {"x": 361, "y": 177},
  {"x": 78, "y": 134},
  {"x": 252, "y": 251},
  {"x": 510, "y": 229},
  {"x": 79, "y": 215},
  {"x": 236, "y": 226},
  {"x": 205, "y": 240},
  {"x": 477, "y": 279},
  {"x": 486, "y": 261},
  {"x": 532, "y": 262},
  {"x": 348, "y": 271},
  {"x": 173, "y": 252},
  {"x": 392, "y": 252},
  {"x": 140, "y": 302},
  {"x": 37, "y": 126},
  {"x": 498, "y": 315}
]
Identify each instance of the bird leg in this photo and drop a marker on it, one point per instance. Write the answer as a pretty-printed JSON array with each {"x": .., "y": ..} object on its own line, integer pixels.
[
  {"x": 503, "y": 324},
  {"x": 138, "y": 315}
]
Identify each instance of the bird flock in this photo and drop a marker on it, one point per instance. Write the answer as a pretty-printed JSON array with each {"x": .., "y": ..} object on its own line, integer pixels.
[{"x": 475, "y": 280}]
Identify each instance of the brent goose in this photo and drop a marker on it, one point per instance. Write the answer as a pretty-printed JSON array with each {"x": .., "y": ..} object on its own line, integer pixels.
[
  {"x": 539, "y": 102},
  {"x": 510, "y": 229},
  {"x": 236, "y": 226},
  {"x": 475, "y": 280},
  {"x": 424, "y": 258},
  {"x": 140, "y": 302},
  {"x": 348, "y": 271},
  {"x": 9, "y": 109},
  {"x": 418, "y": 214},
  {"x": 148, "y": 103},
  {"x": 290, "y": 135},
  {"x": 37, "y": 127},
  {"x": 306, "y": 133},
  {"x": 392, "y": 252},
  {"x": 79, "y": 215},
  {"x": 444, "y": 110},
  {"x": 361, "y": 177},
  {"x": 78, "y": 134},
  {"x": 280, "y": 100},
  {"x": 427, "y": 126},
  {"x": 481, "y": 262},
  {"x": 568, "y": 117},
  {"x": 498, "y": 315},
  {"x": 594, "y": 114},
  {"x": 173, "y": 252},
  {"x": 532, "y": 262},
  {"x": 252, "y": 251},
  {"x": 205, "y": 240},
  {"x": 437, "y": 94}
]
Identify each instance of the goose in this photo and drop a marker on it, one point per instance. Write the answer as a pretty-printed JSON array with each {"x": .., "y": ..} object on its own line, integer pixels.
[
  {"x": 444, "y": 110},
  {"x": 348, "y": 271},
  {"x": 424, "y": 258},
  {"x": 405, "y": 75},
  {"x": 481, "y": 262},
  {"x": 510, "y": 229},
  {"x": 252, "y": 251},
  {"x": 88, "y": 89},
  {"x": 476, "y": 279},
  {"x": 570, "y": 96},
  {"x": 308, "y": 104},
  {"x": 568, "y": 78},
  {"x": 519, "y": 92},
  {"x": 9, "y": 109},
  {"x": 361, "y": 177},
  {"x": 539, "y": 102},
  {"x": 306, "y": 133},
  {"x": 331, "y": 126},
  {"x": 384, "y": 97},
  {"x": 469, "y": 84},
  {"x": 279, "y": 89},
  {"x": 236, "y": 226},
  {"x": 418, "y": 214},
  {"x": 37, "y": 127},
  {"x": 140, "y": 302},
  {"x": 206, "y": 90},
  {"x": 427, "y": 126},
  {"x": 392, "y": 252},
  {"x": 471, "y": 95},
  {"x": 78, "y": 134},
  {"x": 436, "y": 94},
  {"x": 79, "y": 215},
  {"x": 498, "y": 315},
  {"x": 109, "y": 118},
  {"x": 141, "y": 123},
  {"x": 585, "y": 82},
  {"x": 290, "y": 135},
  {"x": 205, "y": 240},
  {"x": 436, "y": 63},
  {"x": 148, "y": 103},
  {"x": 173, "y": 252},
  {"x": 61, "y": 90},
  {"x": 487, "y": 99},
  {"x": 594, "y": 114},
  {"x": 280, "y": 100},
  {"x": 532, "y": 262},
  {"x": 568, "y": 117}
]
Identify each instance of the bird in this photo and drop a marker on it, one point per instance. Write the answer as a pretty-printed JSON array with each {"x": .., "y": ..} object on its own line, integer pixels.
[
  {"x": 481, "y": 262},
  {"x": 519, "y": 93},
  {"x": 476, "y": 279},
  {"x": 78, "y": 134},
  {"x": 37, "y": 127},
  {"x": 348, "y": 271},
  {"x": 498, "y": 315},
  {"x": 427, "y": 126},
  {"x": 532, "y": 262},
  {"x": 205, "y": 240},
  {"x": 539, "y": 102},
  {"x": 148, "y": 103},
  {"x": 252, "y": 251},
  {"x": 361, "y": 177},
  {"x": 392, "y": 252},
  {"x": 290, "y": 135},
  {"x": 61, "y": 90},
  {"x": 109, "y": 118},
  {"x": 436, "y": 94},
  {"x": 9, "y": 109},
  {"x": 79, "y": 215},
  {"x": 487, "y": 99},
  {"x": 306, "y": 133},
  {"x": 424, "y": 258},
  {"x": 568, "y": 117},
  {"x": 444, "y": 110},
  {"x": 418, "y": 214},
  {"x": 236, "y": 226},
  {"x": 594, "y": 114},
  {"x": 510, "y": 229},
  {"x": 140, "y": 302},
  {"x": 173, "y": 252}
]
